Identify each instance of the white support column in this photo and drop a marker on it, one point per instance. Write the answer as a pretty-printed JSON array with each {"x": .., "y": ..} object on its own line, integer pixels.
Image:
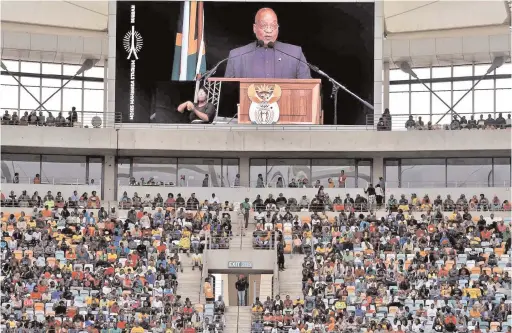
[
  {"x": 385, "y": 86},
  {"x": 377, "y": 170},
  {"x": 244, "y": 172},
  {"x": 105, "y": 92},
  {"x": 109, "y": 178},
  {"x": 378, "y": 58},
  {"x": 111, "y": 70}
]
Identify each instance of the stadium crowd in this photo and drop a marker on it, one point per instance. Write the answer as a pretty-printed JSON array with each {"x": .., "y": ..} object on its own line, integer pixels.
[
  {"x": 40, "y": 119},
  {"x": 399, "y": 274},
  {"x": 70, "y": 270},
  {"x": 457, "y": 123}
]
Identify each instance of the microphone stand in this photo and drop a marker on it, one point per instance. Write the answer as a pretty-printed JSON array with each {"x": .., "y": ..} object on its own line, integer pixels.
[{"x": 335, "y": 84}]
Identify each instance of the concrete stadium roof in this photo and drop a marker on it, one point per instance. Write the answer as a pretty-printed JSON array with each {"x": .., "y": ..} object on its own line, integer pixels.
[
  {"x": 415, "y": 16},
  {"x": 83, "y": 15},
  {"x": 400, "y": 16}
]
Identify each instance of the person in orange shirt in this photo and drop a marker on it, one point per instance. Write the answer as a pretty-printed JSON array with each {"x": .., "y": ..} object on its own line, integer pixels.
[{"x": 474, "y": 312}]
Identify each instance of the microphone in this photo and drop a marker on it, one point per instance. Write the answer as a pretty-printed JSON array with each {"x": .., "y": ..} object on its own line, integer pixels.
[{"x": 209, "y": 73}]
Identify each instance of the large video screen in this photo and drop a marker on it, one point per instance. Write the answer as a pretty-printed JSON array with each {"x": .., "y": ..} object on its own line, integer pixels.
[{"x": 162, "y": 47}]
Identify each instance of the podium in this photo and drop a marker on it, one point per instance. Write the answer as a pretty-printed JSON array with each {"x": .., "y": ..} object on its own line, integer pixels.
[{"x": 273, "y": 101}]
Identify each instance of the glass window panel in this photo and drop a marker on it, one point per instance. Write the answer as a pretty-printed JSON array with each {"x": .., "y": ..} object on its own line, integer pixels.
[
  {"x": 364, "y": 173},
  {"x": 504, "y": 83},
  {"x": 503, "y": 100},
  {"x": 397, "y": 74},
  {"x": 441, "y": 72},
  {"x": 257, "y": 167},
  {"x": 12, "y": 65},
  {"x": 287, "y": 169},
  {"x": 420, "y": 103},
  {"x": 391, "y": 173},
  {"x": 27, "y": 166},
  {"x": 93, "y": 100},
  {"x": 55, "y": 69},
  {"x": 398, "y": 87},
  {"x": 419, "y": 87},
  {"x": 30, "y": 67},
  {"x": 123, "y": 172},
  {"x": 72, "y": 97},
  {"x": 485, "y": 84},
  {"x": 194, "y": 170},
  {"x": 423, "y": 73},
  {"x": 94, "y": 85},
  {"x": 54, "y": 103},
  {"x": 70, "y": 69},
  {"x": 73, "y": 83},
  {"x": 160, "y": 169},
  {"x": 399, "y": 103},
  {"x": 52, "y": 83},
  {"x": 96, "y": 169},
  {"x": 469, "y": 172},
  {"x": 502, "y": 172},
  {"x": 465, "y": 105},
  {"x": 323, "y": 169},
  {"x": 482, "y": 69},
  {"x": 462, "y": 85},
  {"x": 442, "y": 86},
  {"x": 98, "y": 72},
  {"x": 63, "y": 169},
  {"x": 27, "y": 102},
  {"x": 9, "y": 97},
  {"x": 459, "y": 71},
  {"x": 446, "y": 120},
  {"x": 229, "y": 171},
  {"x": 437, "y": 105},
  {"x": 30, "y": 81},
  {"x": 484, "y": 101},
  {"x": 505, "y": 69},
  {"x": 421, "y": 173},
  {"x": 7, "y": 79}
]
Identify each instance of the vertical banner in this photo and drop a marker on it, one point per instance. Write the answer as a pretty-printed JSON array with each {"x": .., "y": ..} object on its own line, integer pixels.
[
  {"x": 132, "y": 43},
  {"x": 189, "y": 52}
]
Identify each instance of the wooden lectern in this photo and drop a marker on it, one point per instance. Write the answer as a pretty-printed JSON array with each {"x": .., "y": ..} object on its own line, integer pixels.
[{"x": 299, "y": 101}]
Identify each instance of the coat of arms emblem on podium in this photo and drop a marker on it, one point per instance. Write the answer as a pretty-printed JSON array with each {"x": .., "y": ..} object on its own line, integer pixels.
[{"x": 264, "y": 109}]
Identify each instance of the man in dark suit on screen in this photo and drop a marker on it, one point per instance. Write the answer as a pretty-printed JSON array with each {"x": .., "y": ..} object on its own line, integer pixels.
[{"x": 264, "y": 59}]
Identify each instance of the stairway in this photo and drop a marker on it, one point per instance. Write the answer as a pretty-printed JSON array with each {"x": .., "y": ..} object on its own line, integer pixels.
[
  {"x": 238, "y": 320},
  {"x": 245, "y": 241},
  {"x": 290, "y": 280},
  {"x": 189, "y": 282},
  {"x": 265, "y": 287}
]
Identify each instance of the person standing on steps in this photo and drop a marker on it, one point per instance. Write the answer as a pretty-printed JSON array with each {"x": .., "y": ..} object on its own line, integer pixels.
[
  {"x": 280, "y": 254},
  {"x": 245, "y": 208},
  {"x": 241, "y": 286}
]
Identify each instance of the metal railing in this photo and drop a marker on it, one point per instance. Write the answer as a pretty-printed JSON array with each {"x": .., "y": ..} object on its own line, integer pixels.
[
  {"x": 449, "y": 184},
  {"x": 399, "y": 122},
  {"x": 54, "y": 181},
  {"x": 218, "y": 242},
  {"x": 85, "y": 119}
]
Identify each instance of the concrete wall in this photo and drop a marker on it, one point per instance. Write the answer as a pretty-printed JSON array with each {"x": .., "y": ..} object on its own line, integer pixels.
[
  {"x": 234, "y": 194},
  {"x": 67, "y": 190},
  {"x": 224, "y": 141},
  {"x": 262, "y": 260},
  {"x": 503, "y": 193}
]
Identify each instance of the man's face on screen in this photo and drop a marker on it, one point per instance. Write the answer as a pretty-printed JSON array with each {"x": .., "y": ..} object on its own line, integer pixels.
[{"x": 265, "y": 26}]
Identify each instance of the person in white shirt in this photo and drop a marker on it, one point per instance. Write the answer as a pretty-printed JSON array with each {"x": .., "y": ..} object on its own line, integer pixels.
[
  {"x": 294, "y": 329},
  {"x": 432, "y": 312},
  {"x": 215, "y": 199}
]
